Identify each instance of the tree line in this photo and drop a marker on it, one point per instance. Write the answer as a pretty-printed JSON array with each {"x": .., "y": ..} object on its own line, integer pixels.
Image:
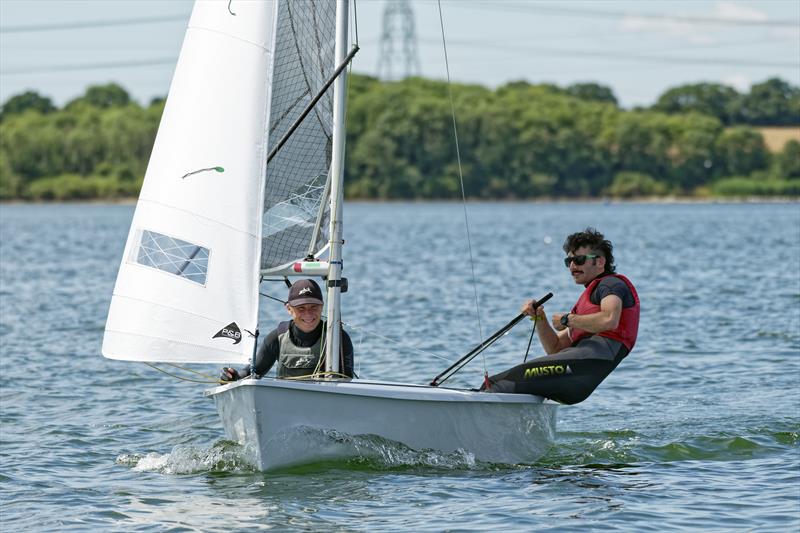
[{"x": 517, "y": 141}]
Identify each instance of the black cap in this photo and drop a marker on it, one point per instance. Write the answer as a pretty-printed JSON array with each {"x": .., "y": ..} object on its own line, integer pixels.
[{"x": 305, "y": 291}]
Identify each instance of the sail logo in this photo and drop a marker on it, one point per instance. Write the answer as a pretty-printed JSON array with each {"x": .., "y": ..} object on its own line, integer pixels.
[
  {"x": 306, "y": 290},
  {"x": 549, "y": 370},
  {"x": 231, "y": 331}
]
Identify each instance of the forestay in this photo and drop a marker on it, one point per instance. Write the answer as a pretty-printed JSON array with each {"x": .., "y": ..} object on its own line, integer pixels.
[{"x": 212, "y": 213}]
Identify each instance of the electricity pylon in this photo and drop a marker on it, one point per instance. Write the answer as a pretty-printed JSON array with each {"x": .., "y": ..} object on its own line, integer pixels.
[{"x": 398, "y": 57}]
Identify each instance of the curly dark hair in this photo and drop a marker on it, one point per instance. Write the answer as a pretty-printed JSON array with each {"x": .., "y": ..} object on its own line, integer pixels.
[{"x": 595, "y": 241}]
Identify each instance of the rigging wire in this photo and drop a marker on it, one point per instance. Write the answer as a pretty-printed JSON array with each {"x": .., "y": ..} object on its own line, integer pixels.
[
  {"x": 461, "y": 179},
  {"x": 395, "y": 341},
  {"x": 355, "y": 21}
]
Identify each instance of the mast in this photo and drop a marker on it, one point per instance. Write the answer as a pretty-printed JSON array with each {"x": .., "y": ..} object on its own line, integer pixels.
[{"x": 333, "y": 335}]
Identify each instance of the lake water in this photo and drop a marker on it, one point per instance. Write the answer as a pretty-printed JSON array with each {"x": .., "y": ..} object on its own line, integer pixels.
[{"x": 698, "y": 429}]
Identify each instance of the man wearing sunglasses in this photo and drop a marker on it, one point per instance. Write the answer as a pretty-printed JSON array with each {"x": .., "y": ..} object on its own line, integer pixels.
[{"x": 586, "y": 344}]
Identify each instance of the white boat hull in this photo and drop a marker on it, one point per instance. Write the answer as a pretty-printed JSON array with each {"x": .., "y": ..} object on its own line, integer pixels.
[{"x": 273, "y": 417}]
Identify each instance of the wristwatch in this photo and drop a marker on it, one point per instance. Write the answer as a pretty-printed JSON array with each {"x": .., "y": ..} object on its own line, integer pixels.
[{"x": 565, "y": 320}]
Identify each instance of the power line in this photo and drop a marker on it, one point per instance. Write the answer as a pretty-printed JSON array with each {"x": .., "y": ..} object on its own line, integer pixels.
[
  {"x": 90, "y": 24},
  {"x": 622, "y": 56},
  {"x": 608, "y": 55},
  {"x": 90, "y": 66},
  {"x": 533, "y": 8}
]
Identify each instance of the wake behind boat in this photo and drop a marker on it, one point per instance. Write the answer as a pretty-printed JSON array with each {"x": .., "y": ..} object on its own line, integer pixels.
[{"x": 245, "y": 184}]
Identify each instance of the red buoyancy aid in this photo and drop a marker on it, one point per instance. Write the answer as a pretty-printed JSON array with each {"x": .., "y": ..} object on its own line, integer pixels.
[{"x": 628, "y": 326}]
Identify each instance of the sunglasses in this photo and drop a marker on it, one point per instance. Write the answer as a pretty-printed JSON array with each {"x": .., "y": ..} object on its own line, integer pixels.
[{"x": 578, "y": 259}]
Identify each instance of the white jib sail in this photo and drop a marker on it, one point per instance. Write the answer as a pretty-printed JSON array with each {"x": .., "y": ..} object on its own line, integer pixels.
[{"x": 187, "y": 289}]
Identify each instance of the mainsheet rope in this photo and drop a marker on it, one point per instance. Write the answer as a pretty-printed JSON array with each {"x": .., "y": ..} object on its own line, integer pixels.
[{"x": 210, "y": 379}]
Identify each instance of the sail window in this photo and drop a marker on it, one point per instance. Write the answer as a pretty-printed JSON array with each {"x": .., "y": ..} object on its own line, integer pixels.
[
  {"x": 298, "y": 210},
  {"x": 172, "y": 255}
]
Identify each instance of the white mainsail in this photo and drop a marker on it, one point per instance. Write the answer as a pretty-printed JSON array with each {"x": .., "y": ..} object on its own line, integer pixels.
[{"x": 187, "y": 289}]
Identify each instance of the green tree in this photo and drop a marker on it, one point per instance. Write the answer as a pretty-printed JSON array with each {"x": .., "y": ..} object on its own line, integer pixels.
[
  {"x": 521, "y": 140},
  {"x": 789, "y": 160},
  {"x": 740, "y": 152},
  {"x": 10, "y": 182},
  {"x": 539, "y": 142},
  {"x": 635, "y": 184},
  {"x": 514, "y": 149},
  {"x": 692, "y": 150},
  {"x": 749, "y": 186},
  {"x": 639, "y": 141},
  {"x": 103, "y": 96},
  {"x": 31, "y": 145},
  {"x": 713, "y": 99},
  {"x": 593, "y": 92},
  {"x": 106, "y": 147},
  {"x": 771, "y": 103},
  {"x": 29, "y": 100},
  {"x": 358, "y": 84},
  {"x": 400, "y": 139}
]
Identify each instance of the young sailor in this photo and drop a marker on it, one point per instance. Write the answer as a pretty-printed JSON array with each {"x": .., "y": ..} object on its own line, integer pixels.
[
  {"x": 297, "y": 345},
  {"x": 587, "y": 343}
]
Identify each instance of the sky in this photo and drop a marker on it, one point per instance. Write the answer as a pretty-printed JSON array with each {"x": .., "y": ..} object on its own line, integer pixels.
[{"x": 638, "y": 48}]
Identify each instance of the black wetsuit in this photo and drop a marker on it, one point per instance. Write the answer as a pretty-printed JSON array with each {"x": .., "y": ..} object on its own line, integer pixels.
[
  {"x": 572, "y": 374},
  {"x": 270, "y": 349}
]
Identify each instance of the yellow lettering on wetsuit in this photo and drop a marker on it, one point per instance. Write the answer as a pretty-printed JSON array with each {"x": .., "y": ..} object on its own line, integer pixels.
[{"x": 539, "y": 371}]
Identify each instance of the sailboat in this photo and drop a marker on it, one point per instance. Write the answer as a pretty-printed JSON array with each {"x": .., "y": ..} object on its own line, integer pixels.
[{"x": 244, "y": 184}]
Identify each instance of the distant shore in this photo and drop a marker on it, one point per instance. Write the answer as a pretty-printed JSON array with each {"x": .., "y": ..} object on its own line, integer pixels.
[{"x": 639, "y": 200}]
